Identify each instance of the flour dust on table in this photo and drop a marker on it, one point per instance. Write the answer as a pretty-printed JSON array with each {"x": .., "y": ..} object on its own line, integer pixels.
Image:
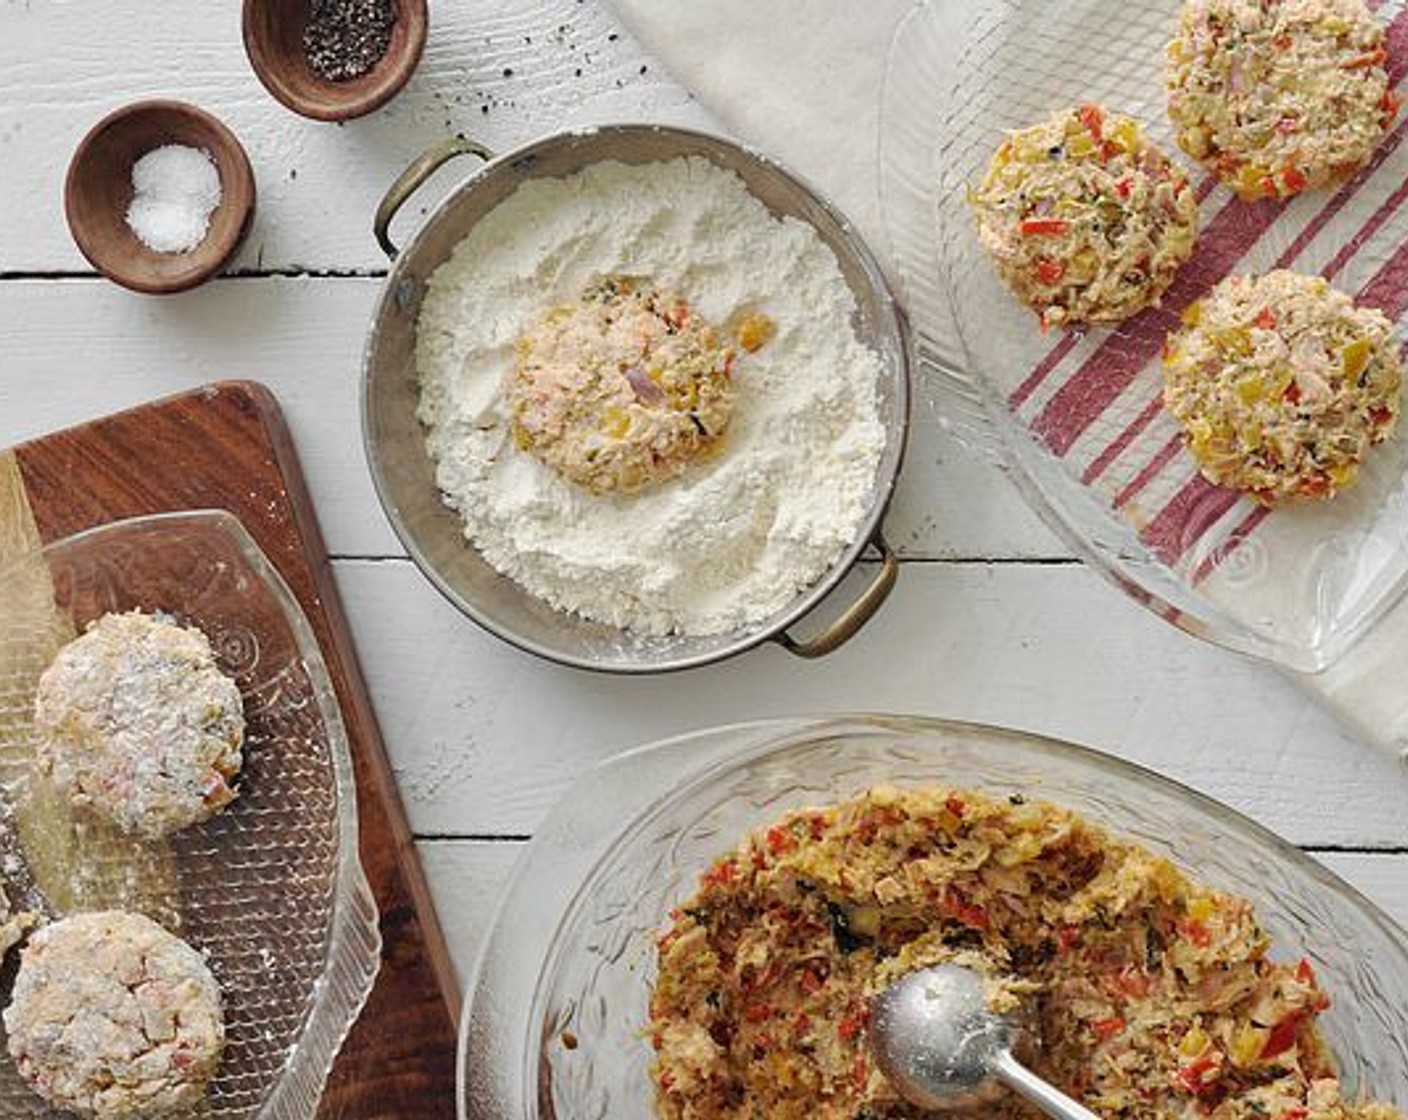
[{"x": 737, "y": 534}]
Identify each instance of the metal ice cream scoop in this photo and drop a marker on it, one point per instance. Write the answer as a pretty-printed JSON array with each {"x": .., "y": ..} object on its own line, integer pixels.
[{"x": 941, "y": 1047}]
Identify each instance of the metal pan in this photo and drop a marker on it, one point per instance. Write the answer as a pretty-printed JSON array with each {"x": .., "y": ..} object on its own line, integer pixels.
[{"x": 395, "y": 441}]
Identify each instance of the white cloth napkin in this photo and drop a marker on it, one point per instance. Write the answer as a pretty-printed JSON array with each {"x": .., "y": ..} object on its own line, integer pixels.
[{"x": 799, "y": 79}]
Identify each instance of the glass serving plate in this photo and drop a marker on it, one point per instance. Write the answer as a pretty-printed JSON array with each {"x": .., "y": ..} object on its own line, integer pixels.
[
  {"x": 1076, "y": 416},
  {"x": 271, "y": 890},
  {"x": 555, "y": 1009}
]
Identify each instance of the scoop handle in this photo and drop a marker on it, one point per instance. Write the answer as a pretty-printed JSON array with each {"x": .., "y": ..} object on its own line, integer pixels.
[{"x": 1041, "y": 1093}]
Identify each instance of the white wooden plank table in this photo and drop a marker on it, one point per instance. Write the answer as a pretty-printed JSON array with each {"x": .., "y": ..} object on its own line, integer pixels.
[{"x": 993, "y": 619}]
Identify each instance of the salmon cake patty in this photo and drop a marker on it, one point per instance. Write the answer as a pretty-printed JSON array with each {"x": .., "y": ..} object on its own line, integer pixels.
[
  {"x": 622, "y": 388},
  {"x": 1282, "y": 384},
  {"x": 1279, "y": 96},
  {"x": 112, "y": 1016},
  {"x": 136, "y": 723},
  {"x": 1085, "y": 219}
]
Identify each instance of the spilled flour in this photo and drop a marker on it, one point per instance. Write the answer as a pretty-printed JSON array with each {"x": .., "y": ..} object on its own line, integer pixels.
[{"x": 735, "y": 538}]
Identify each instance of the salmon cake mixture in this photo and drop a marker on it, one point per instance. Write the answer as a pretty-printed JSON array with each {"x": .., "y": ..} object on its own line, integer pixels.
[
  {"x": 1282, "y": 384},
  {"x": 1154, "y": 996},
  {"x": 1279, "y": 96},
  {"x": 137, "y": 723},
  {"x": 114, "y": 1017},
  {"x": 1086, "y": 221},
  {"x": 622, "y": 388}
]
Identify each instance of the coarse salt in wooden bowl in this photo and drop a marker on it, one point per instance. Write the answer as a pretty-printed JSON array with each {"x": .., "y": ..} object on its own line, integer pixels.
[
  {"x": 99, "y": 190},
  {"x": 273, "y": 40}
]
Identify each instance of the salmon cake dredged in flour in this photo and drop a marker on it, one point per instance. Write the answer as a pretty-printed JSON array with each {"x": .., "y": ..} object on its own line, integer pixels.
[
  {"x": 1086, "y": 221},
  {"x": 1279, "y": 96},
  {"x": 622, "y": 388},
  {"x": 114, "y": 1017},
  {"x": 575, "y": 364},
  {"x": 1153, "y": 995},
  {"x": 1282, "y": 385},
  {"x": 136, "y": 723}
]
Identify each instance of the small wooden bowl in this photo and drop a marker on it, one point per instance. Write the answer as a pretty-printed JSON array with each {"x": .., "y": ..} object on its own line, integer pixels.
[
  {"x": 273, "y": 40},
  {"x": 98, "y": 191}
]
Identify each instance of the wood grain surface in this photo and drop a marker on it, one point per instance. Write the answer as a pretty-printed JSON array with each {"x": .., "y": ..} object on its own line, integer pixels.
[{"x": 225, "y": 446}]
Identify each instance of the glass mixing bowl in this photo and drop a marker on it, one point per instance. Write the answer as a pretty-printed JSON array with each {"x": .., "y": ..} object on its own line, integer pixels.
[{"x": 554, "y": 1012}]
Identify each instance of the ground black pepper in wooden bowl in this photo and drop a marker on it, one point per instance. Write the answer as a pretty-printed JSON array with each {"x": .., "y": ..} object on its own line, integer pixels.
[
  {"x": 332, "y": 60},
  {"x": 346, "y": 38}
]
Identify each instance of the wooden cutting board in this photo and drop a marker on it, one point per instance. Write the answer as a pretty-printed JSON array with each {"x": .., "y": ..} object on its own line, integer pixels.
[{"x": 226, "y": 446}]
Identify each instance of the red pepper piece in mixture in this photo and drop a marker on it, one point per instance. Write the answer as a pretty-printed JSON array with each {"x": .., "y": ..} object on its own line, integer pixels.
[{"x": 1038, "y": 227}]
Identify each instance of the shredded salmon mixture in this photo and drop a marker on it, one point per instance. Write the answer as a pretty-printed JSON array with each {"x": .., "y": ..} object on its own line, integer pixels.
[
  {"x": 1282, "y": 385},
  {"x": 1279, "y": 96},
  {"x": 622, "y": 388},
  {"x": 1154, "y": 996},
  {"x": 1085, "y": 219}
]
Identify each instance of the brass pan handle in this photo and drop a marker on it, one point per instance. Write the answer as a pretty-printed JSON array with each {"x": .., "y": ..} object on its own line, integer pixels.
[
  {"x": 410, "y": 180},
  {"x": 856, "y": 615}
]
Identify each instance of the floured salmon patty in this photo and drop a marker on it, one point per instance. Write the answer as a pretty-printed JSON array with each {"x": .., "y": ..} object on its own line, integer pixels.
[
  {"x": 114, "y": 1017},
  {"x": 137, "y": 724},
  {"x": 1279, "y": 96},
  {"x": 1086, "y": 221}
]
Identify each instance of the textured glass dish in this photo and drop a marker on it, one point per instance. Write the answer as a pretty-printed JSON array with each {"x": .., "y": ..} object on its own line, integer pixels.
[
  {"x": 1077, "y": 416},
  {"x": 271, "y": 890},
  {"x": 555, "y": 1009}
]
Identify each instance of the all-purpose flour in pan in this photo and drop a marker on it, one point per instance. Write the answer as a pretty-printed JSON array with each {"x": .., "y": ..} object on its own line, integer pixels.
[{"x": 737, "y": 535}]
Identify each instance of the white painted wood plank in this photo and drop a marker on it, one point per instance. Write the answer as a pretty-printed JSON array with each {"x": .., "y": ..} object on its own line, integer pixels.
[
  {"x": 63, "y": 66},
  {"x": 468, "y": 878},
  {"x": 72, "y": 350},
  {"x": 1380, "y": 877},
  {"x": 485, "y": 738}
]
